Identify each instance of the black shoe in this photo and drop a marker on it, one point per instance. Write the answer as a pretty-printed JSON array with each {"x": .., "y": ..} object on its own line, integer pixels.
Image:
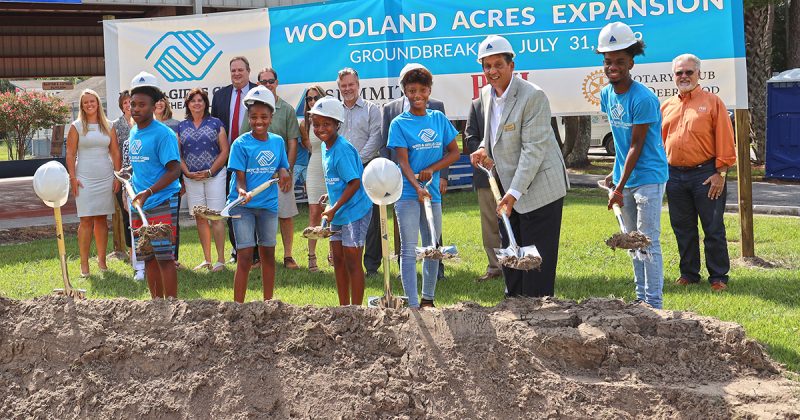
[
  {"x": 426, "y": 303},
  {"x": 371, "y": 273}
]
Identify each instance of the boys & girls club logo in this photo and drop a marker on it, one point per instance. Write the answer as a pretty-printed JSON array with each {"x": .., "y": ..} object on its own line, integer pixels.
[
  {"x": 427, "y": 135},
  {"x": 183, "y": 56},
  {"x": 135, "y": 146},
  {"x": 265, "y": 158}
]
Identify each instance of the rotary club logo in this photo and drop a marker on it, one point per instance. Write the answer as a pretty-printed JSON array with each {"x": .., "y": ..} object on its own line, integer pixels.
[{"x": 592, "y": 84}]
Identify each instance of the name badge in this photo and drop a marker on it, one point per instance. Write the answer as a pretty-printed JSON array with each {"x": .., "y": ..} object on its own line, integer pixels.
[{"x": 509, "y": 127}]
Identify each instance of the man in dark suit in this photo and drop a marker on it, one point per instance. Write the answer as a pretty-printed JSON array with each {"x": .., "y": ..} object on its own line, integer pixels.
[
  {"x": 490, "y": 229},
  {"x": 226, "y": 104},
  {"x": 388, "y": 113}
]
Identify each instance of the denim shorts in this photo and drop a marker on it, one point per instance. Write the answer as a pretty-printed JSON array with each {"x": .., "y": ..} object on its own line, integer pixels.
[
  {"x": 352, "y": 235},
  {"x": 254, "y": 224}
]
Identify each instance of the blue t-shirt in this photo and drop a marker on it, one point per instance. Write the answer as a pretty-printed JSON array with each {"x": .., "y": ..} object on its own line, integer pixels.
[
  {"x": 199, "y": 146},
  {"x": 150, "y": 149},
  {"x": 426, "y": 138},
  {"x": 342, "y": 164},
  {"x": 639, "y": 105},
  {"x": 302, "y": 155},
  {"x": 260, "y": 160}
]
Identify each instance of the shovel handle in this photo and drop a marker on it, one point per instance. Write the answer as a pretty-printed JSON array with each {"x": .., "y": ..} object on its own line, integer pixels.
[
  {"x": 429, "y": 217},
  {"x": 618, "y": 213},
  {"x": 257, "y": 190},
  {"x": 62, "y": 251},
  {"x": 387, "y": 286}
]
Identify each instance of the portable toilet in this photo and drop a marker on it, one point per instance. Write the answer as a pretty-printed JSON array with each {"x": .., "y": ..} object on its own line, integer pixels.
[{"x": 783, "y": 126}]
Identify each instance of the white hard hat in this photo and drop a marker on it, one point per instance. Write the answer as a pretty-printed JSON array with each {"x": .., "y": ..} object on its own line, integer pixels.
[
  {"x": 382, "y": 181},
  {"x": 328, "y": 107},
  {"x": 494, "y": 44},
  {"x": 408, "y": 67},
  {"x": 260, "y": 94},
  {"x": 51, "y": 183},
  {"x": 144, "y": 79},
  {"x": 614, "y": 37}
]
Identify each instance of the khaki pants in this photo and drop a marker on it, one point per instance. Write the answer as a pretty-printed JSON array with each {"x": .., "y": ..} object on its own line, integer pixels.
[{"x": 490, "y": 230}]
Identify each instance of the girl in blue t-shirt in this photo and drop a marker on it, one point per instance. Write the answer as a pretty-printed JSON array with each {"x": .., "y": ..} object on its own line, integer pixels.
[
  {"x": 255, "y": 157},
  {"x": 423, "y": 140},
  {"x": 350, "y": 210}
]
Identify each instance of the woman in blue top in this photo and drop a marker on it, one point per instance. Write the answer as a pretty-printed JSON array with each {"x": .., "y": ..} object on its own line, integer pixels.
[
  {"x": 204, "y": 153},
  {"x": 423, "y": 140},
  {"x": 350, "y": 210},
  {"x": 256, "y": 156}
]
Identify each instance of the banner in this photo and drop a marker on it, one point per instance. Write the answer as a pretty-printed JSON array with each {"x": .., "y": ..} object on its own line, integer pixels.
[{"x": 554, "y": 42}]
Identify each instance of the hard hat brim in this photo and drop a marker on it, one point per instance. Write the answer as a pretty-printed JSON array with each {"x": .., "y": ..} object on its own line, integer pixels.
[
  {"x": 616, "y": 47},
  {"x": 481, "y": 57}
]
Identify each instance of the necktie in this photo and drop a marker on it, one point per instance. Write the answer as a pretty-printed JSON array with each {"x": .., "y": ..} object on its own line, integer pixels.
[{"x": 235, "y": 119}]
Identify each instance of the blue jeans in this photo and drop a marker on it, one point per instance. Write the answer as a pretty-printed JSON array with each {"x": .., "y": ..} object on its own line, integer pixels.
[
  {"x": 642, "y": 211},
  {"x": 254, "y": 225},
  {"x": 412, "y": 222}
]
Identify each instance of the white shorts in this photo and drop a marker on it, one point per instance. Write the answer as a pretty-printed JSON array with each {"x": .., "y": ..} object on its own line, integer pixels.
[{"x": 208, "y": 192}]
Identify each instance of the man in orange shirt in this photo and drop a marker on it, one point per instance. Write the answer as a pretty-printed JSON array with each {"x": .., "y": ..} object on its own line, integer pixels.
[{"x": 698, "y": 138}]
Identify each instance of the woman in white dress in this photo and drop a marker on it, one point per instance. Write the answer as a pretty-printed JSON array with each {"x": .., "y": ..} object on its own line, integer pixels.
[
  {"x": 92, "y": 156},
  {"x": 315, "y": 180}
]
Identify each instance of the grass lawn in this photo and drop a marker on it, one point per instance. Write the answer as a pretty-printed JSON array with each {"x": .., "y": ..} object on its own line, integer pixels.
[{"x": 765, "y": 301}]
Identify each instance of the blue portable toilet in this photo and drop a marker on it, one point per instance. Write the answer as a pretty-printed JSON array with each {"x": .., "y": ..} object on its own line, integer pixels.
[{"x": 783, "y": 126}]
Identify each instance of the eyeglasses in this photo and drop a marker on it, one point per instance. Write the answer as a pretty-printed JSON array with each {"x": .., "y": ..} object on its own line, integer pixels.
[
  {"x": 267, "y": 81},
  {"x": 680, "y": 73},
  {"x": 312, "y": 98}
]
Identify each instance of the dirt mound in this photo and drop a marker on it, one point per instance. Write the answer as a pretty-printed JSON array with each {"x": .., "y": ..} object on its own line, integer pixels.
[{"x": 526, "y": 358}]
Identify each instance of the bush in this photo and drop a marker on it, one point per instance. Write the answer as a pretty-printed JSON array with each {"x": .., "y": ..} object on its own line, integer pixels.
[{"x": 21, "y": 115}]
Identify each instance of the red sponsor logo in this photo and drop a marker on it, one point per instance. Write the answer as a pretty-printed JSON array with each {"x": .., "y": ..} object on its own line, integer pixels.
[{"x": 479, "y": 81}]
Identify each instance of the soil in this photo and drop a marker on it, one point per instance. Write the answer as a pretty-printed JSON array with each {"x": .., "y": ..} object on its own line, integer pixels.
[
  {"x": 317, "y": 232},
  {"x": 149, "y": 233},
  {"x": 631, "y": 240},
  {"x": 33, "y": 233},
  {"x": 524, "y": 358},
  {"x": 525, "y": 262}
]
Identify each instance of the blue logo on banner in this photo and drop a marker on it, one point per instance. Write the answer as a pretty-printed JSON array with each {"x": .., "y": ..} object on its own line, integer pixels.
[{"x": 181, "y": 55}]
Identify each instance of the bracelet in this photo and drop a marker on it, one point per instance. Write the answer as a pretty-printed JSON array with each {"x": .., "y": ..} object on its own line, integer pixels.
[
  {"x": 150, "y": 191},
  {"x": 210, "y": 174}
]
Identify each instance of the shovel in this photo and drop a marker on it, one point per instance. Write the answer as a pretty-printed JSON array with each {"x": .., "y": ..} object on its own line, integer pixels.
[
  {"x": 432, "y": 251},
  {"x": 323, "y": 231},
  {"x": 62, "y": 253},
  {"x": 226, "y": 211},
  {"x": 623, "y": 239},
  {"x": 516, "y": 257},
  {"x": 387, "y": 300},
  {"x": 146, "y": 232}
]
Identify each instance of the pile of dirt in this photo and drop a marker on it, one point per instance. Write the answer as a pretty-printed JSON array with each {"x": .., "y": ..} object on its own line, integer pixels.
[
  {"x": 32, "y": 233},
  {"x": 521, "y": 359}
]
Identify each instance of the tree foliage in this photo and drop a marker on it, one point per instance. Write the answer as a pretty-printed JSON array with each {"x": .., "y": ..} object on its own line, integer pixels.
[{"x": 21, "y": 115}]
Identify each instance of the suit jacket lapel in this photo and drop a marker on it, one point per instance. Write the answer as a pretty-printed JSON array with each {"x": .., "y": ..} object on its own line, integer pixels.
[
  {"x": 511, "y": 99},
  {"x": 486, "y": 103}
]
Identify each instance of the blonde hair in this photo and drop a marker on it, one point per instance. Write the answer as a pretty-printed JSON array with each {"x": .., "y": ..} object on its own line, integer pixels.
[
  {"x": 167, "y": 110},
  {"x": 102, "y": 121}
]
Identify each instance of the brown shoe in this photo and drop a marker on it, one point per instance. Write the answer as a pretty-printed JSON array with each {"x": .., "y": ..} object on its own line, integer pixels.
[
  {"x": 255, "y": 266},
  {"x": 289, "y": 263},
  {"x": 683, "y": 281},
  {"x": 488, "y": 275},
  {"x": 718, "y": 286}
]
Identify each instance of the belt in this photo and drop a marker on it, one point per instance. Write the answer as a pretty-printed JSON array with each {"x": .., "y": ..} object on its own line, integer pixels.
[{"x": 700, "y": 166}]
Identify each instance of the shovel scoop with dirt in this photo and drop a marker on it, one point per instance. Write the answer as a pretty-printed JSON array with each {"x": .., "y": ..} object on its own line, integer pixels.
[
  {"x": 623, "y": 239},
  {"x": 147, "y": 233}
]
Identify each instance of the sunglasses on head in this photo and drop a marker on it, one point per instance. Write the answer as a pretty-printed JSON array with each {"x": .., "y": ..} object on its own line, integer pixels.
[
  {"x": 680, "y": 73},
  {"x": 267, "y": 81},
  {"x": 312, "y": 98}
]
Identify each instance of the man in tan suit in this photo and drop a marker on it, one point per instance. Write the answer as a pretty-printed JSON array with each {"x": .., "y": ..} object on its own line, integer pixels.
[{"x": 519, "y": 142}]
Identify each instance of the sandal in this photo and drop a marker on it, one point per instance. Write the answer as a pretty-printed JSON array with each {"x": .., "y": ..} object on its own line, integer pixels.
[
  {"x": 290, "y": 263},
  {"x": 217, "y": 267},
  {"x": 330, "y": 259},
  {"x": 312, "y": 263},
  {"x": 203, "y": 265}
]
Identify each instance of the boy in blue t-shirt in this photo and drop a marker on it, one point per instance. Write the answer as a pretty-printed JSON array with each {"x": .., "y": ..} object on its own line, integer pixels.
[
  {"x": 640, "y": 163},
  {"x": 423, "y": 140},
  {"x": 154, "y": 157},
  {"x": 255, "y": 158},
  {"x": 350, "y": 210}
]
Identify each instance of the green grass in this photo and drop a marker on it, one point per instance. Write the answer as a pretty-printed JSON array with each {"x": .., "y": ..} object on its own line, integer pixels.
[{"x": 765, "y": 301}]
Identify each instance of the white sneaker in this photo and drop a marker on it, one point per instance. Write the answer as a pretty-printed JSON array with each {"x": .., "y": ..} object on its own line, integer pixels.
[{"x": 139, "y": 275}]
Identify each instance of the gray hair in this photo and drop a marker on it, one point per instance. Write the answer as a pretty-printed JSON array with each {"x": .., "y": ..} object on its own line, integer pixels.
[
  {"x": 686, "y": 57},
  {"x": 345, "y": 71}
]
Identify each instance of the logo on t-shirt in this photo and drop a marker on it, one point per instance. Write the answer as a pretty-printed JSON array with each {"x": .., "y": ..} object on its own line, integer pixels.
[
  {"x": 135, "y": 146},
  {"x": 427, "y": 135},
  {"x": 617, "y": 112},
  {"x": 265, "y": 158}
]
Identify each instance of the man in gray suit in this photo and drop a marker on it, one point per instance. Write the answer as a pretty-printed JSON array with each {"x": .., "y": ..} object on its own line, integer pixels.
[
  {"x": 490, "y": 229},
  {"x": 518, "y": 135},
  {"x": 388, "y": 113}
]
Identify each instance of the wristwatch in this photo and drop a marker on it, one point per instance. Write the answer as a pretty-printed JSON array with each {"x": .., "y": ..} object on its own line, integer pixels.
[{"x": 723, "y": 174}]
